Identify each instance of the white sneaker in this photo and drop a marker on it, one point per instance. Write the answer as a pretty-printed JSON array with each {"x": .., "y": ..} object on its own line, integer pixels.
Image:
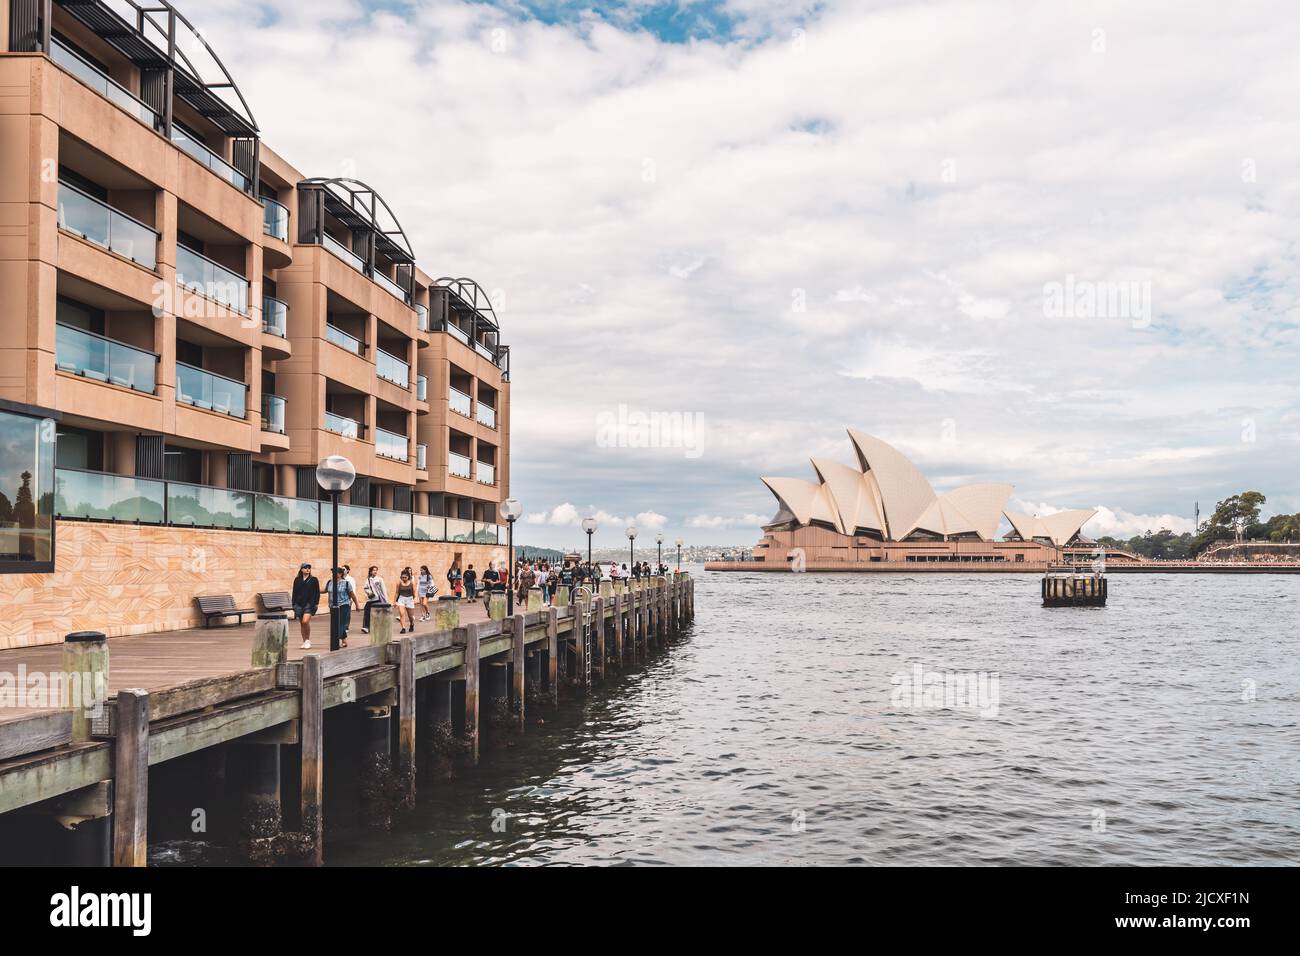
[{"x": 306, "y": 645}]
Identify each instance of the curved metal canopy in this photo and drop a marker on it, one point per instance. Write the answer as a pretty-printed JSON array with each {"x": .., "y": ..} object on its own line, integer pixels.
[
  {"x": 158, "y": 39},
  {"x": 472, "y": 296},
  {"x": 357, "y": 205}
]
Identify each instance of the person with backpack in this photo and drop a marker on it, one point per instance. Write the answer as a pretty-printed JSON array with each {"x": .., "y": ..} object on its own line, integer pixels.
[
  {"x": 470, "y": 579},
  {"x": 341, "y": 595}
]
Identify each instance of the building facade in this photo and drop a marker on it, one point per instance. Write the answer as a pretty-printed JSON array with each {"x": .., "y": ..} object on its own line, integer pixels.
[{"x": 202, "y": 322}]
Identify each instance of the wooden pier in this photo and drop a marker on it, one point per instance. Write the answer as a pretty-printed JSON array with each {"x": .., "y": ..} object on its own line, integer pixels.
[{"x": 407, "y": 703}]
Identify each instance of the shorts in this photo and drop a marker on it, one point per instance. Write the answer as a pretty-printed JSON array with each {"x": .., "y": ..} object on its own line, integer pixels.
[
  {"x": 302, "y": 610},
  {"x": 408, "y": 602}
]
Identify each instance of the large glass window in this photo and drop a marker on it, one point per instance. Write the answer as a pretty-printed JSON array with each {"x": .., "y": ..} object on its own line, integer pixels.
[{"x": 27, "y": 453}]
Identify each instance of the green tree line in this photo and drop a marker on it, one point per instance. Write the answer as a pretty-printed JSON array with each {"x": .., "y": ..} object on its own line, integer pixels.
[{"x": 1234, "y": 518}]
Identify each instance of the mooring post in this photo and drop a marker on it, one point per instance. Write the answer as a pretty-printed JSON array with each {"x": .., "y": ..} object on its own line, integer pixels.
[
  {"x": 519, "y": 660},
  {"x": 270, "y": 640},
  {"x": 446, "y": 615},
  {"x": 553, "y": 655},
  {"x": 84, "y": 685},
  {"x": 406, "y": 720},
  {"x": 312, "y": 787},
  {"x": 259, "y": 815},
  {"x": 381, "y": 624},
  {"x": 534, "y": 599},
  {"x": 598, "y": 636},
  {"x": 469, "y": 637},
  {"x": 377, "y": 765},
  {"x": 131, "y": 779},
  {"x": 580, "y": 608},
  {"x": 497, "y": 606},
  {"x": 618, "y": 624}
]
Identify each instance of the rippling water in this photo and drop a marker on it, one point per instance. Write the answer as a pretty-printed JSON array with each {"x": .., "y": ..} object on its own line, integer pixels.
[{"x": 773, "y": 733}]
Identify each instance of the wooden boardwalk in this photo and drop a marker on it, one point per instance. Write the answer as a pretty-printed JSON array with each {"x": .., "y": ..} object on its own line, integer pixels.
[{"x": 178, "y": 693}]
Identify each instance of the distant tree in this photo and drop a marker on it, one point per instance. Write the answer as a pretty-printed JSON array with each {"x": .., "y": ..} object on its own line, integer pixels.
[
  {"x": 24, "y": 507},
  {"x": 6, "y": 510}
]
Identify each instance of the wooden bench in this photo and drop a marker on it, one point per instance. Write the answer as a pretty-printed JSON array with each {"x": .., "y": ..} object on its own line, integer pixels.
[
  {"x": 221, "y": 605},
  {"x": 276, "y": 601}
]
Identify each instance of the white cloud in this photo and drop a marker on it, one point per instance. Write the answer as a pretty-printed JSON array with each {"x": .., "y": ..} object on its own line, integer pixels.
[
  {"x": 566, "y": 515},
  {"x": 714, "y": 522}
]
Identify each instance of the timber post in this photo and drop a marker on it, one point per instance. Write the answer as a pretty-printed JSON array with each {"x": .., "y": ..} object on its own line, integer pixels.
[
  {"x": 446, "y": 615},
  {"x": 552, "y": 655},
  {"x": 131, "y": 779},
  {"x": 312, "y": 790},
  {"x": 497, "y": 606},
  {"x": 598, "y": 636},
  {"x": 84, "y": 685},
  {"x": 271, "y": 640},
  {"x": 468, "y": 636},
  {"x": 519, "y": 660},
  {"x": 534, "y": 599},
  {"x": 406, "y": 721},
  {"x": 381, "y": 624},
  {"x": 618, "y": 625}
]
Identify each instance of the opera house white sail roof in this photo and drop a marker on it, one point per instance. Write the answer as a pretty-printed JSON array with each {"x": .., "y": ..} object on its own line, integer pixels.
[{"x": 887, "y": 496}]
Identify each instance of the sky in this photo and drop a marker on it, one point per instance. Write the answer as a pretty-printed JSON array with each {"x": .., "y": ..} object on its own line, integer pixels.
[{"x": 1033, "y": 243}]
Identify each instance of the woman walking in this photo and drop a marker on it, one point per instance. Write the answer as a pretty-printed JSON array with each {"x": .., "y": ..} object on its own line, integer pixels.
[
  {"x": 306, "y": 601},
  {"x": 427, "y": 590},
  {"x": 376, "y": 593},
  {"x": 453, "y": 575},
  {"x": 406, "y": 601}
]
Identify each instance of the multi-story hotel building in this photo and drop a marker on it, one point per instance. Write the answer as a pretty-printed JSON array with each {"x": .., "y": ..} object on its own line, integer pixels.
[{"x": 190, "y": 323}]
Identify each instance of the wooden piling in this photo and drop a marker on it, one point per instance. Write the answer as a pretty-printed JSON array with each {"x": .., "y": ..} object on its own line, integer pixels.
[
  {"x": 468, "y": 636},
  {"x": 83, "y": 684},
  {"x": 520, "y": 662},
  {"x": 553, "y": 655},
  {"x": 598, "y": 636},
  {"x": 581, "y": 608},
  {"x": 497, "y": 606},
  {"x": 312, "y": 787},
  {"x": 446, "y": 615},
  {"x": 270, "y": 640},
  {"x": 131, "y": 779},
  {"x": 618, "y": 625},
  {"x": 534, "y": 599},
  {"x": 406, "y": 721}
]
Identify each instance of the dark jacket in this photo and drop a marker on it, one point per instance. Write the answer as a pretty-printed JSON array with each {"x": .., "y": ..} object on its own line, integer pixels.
[{"x": 306, "y": 591}]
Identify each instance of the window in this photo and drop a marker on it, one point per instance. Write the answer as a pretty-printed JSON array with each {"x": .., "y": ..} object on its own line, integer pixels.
[{"x": 27, "y": 452}]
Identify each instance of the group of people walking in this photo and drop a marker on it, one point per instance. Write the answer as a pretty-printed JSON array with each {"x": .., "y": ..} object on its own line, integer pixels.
[{"x": 413, "y": 590}]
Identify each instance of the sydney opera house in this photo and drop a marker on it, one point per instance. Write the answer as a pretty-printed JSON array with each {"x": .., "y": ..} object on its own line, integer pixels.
[{"x": 882, "y": 509}]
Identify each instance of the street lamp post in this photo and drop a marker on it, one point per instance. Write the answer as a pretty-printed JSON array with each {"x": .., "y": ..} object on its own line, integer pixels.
[
  {"x": 659, "y": 540},
  {"x": 589, "y": 526},
  {"x": 631, "y": 548},
  {"x": 511, "y": 510},
  {"x": 679, "y": 554},
  {"x": 335, "y": 475}
]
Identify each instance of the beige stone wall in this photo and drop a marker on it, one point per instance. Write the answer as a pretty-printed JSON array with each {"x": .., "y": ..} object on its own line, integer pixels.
[{"x": 123, "y": 579}]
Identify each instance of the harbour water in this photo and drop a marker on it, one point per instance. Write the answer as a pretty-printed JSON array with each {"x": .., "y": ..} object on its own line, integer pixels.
[{"x": 783, "y": 729}]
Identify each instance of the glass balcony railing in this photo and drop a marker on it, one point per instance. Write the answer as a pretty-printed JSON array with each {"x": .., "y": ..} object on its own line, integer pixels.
[
  {"x": 273, "y": 413},
  {"x": 342, "y": 425},
  {"x": 104, "y": 360},
  {"x": 390, "y": 445},
  {"x": 422, "y": 456},
  {"x": 100, "y": 223},
  {"x": 422, "y": 317},
  {"x": 484, "y": 351},
  {"x": 197, "y": 272},
  {"x": 273, "y": 513},
  {"x": 343, "y": 252},
  {"x": 458, "y": 332},
  {"x": 422, "y": 388},
  {"x": 99, "y": 496},
  {"x": 209, "y": 391},
  {"x": 388, "y": 285},
  {"x": 208, "y": 158},
  {"x": 390, "y": 524},
  {"x": 342, "y": 339},
  {"x": 487, "y": 474},
  {"x": 102, "y": 497},
  {"x": 102, "y": 84},
  {"x": 392, "y": 369},
  {"x": 486, "y": 415},
  {"x": 275, "y": 219},
  {"x": 460, "y": 529},
  {"x": 458, "y": 401},
  {"x": 458, "y": 465},
  {"x": 206, "y": 507},
  {"x": 275, "y": 316}
]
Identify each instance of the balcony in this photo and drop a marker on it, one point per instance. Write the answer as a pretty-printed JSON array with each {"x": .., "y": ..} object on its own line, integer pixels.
[
  {"x": 458, "y": 333},
  {"x": 342, "y": 425},
  {"x": 275, "y": 316},
  {"x": 486, "y": 474},
  {"x": 422, "y": 456},
  {"x": 104, "y": 360},
  {"x": 275, "y": 219},
  {"x": 422, "y": 388},
  {"x": 97, "y": 222},
  {"x": 198, "y": 273},
  {"x": 99, "y": 496},
  {"x": 273, "y": 413},
  {"x": 422, "y": 317},
  {"x": 208, "y": 158},
  {"x": 459, "y": 402},
  {"x": 392, "y": 369},
  {"x": 344, "y": 253},
  {"x": 486, "y": 415},
  {"x": 343, "y": 340},
  {"x": 391, "y": 287},
  {"x": 103, "y": 85},
  {"x": 458, "y": 465},
  {"x": 392, "y": 446},
  {"x": 211, "y": 392},
  {"x": 484, "y": 351}
]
